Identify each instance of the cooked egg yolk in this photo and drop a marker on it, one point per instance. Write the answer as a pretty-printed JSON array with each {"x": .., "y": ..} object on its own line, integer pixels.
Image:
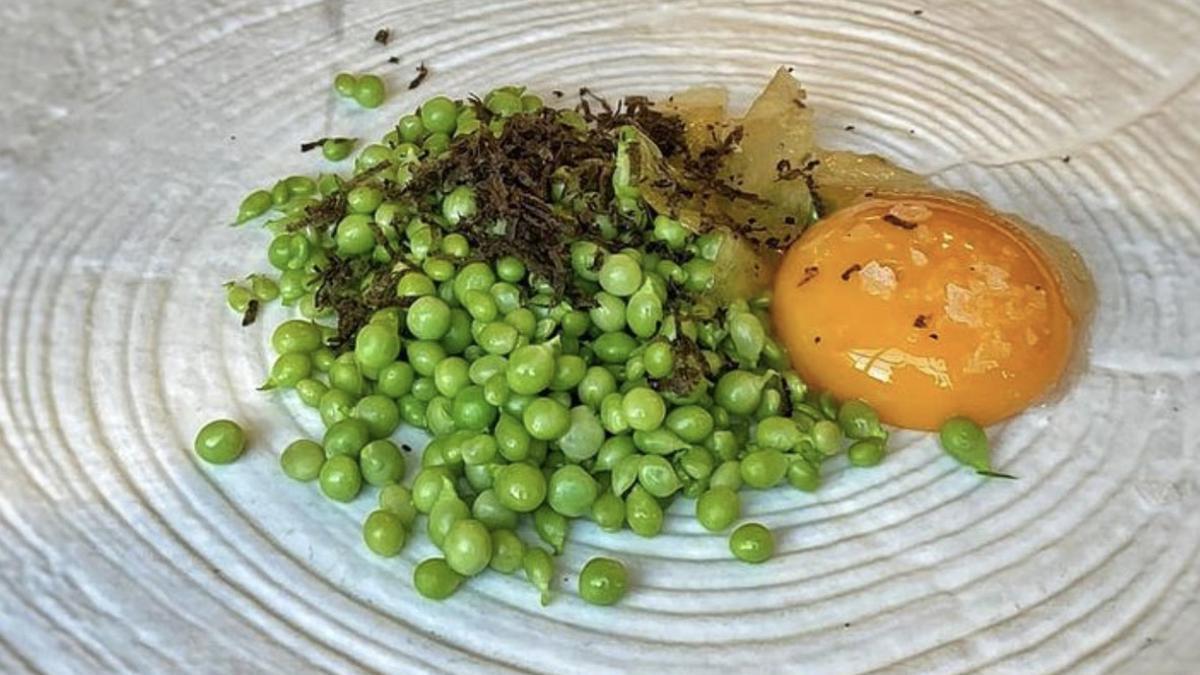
[{"x": 925, "y": 307}]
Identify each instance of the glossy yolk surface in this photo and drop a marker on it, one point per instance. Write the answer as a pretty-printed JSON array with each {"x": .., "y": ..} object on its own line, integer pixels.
[{"x": 925, "y": 307}]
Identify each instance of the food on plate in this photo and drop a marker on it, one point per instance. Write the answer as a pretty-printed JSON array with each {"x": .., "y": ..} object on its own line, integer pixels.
[
  {"x": 595, "y": 311},
  {"x": 927, "y": 306}
]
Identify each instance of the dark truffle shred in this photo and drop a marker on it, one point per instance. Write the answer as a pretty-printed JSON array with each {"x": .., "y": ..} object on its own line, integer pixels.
[
  {"x": 800, "y": 104},
  {"x": 557, "y": 93},
  {"x": 810, "y": 273},
  {"x": 922, "y": 321},
  {"x": 933, "y": 336},
  {"x": 849, "y": 127},
  {"x": 850, "y": 270},
  {"x": 817, "y": 340},
  {"x": 899, "y": 222},
  {"x": 918, "y": 12},
  {"x": 251, "y": 313},
  {"x": 422, "y": 73},
  {"x": 383, "y": 36},
  {"x": 1066, "y": 159},
  {"x": 393, "y": 60}
]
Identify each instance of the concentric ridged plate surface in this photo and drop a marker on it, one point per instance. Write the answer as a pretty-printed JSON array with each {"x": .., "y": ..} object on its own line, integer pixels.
[{"x": 130, "y": 129}]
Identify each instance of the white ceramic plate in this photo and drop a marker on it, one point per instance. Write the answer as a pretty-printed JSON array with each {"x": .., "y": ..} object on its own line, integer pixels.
[{"x": 131, "y": 129}]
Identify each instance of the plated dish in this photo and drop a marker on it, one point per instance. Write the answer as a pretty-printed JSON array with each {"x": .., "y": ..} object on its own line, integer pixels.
[{"x": 599, "y": 308}]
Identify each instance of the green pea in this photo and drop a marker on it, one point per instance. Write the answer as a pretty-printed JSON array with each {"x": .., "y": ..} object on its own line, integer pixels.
[
  {"x": 551, "y": 527},
  {"x": 364, "y": 199},
  {"x": 220, "y": 442},
  {"x": 510, "y": 269},
  {"x": 287, "y": 370},
  {"x": 657, "y": 476},
  {"x": 346, "y": 375},
  {"x": 585, "y": 258},
  {"x": 569, "y": 371},
  {"x": 369, "y": 91},
  {"x": 597, "y": 382},
  {"x": 752, "y": 543},
  {"x": 474, "y": 276},
  {"x": 434, "y": 579},
  {"x": 717, "y": 508},
  {"x": 727, "y": 474},
  {"x": 612, "y": 416},
  {"x": 381, "y": 463},
  {"x": 354, "y": 236},
  {"x": 254, "y": 205},
  {"x": 512, "y": 440},
  {"x": 446, "y": 511},
  {"x": 643, "y": 513},
  {"x": 614, "y": 347},
  {"x": 612, "y": 451},
  {"x": 384, "y": 533},
  {"x": 412, "y": 410},
  {"x": 523, "y": 320},
  {"x": 310, "y": 391},
  {"x": 658, "y": 441},
  {"x": 451, "y": 375},
  {"x": 345, "y": 84},
  {"x": 336, "y": 405},
  {"x": 643, "y": 313},
  {"x": 868, "y": 452},
  {"x": 739, "y": 391},
  {"x": 346, "y": 437},
  {"x": 295, "y": 336},
  {"x": 658, "y": 359},
  {"x": 584, "y": 436},
  {"x": 859, "y": 420},
  {"x": 748, "y": 336},
  {"x": 603, "y": 581},
  {"x": 669, "y": 231},
  {"x": 620, "y": 275},
  {"x": 723, "y": 443},
  {"x": 827, "y": 437},
  {"x": 966, "y": 442},
  {"x": 480, "y": 305},
  {"x": 302, "y": 460},
  {"x": 572, "y": 491},
  {"x": 539, "y": 569},
  {"x": 608, "y": 314},
  {"x": 498, "y": 337},
  {"x": 530, "y": 369},
  {"x": 395, "y": 379},
  {"x": 691, "y": 423},
  {"x": 340, "y": 479},
  {"x": 337, "y": 149},
  {"x": 397, "y": 499},
  {"x": 468, "y": 547},
  {"x": 457, "y": 339},
  {"x": 471, "y": 410},
  {"x": 507, "y": 551},
  {"x": 429, "y": 486},
  {"x": 428, "y": 318},
  {"x": 778, "y": 433},
  {"x": 323, "y": 358},
  {"x": 424, "y": 355},
  {"x": 546, "y": 419},
  {"x": 459, "y": 205},
  {"x": 376, "y": 346},
  {"x": 506, "y": 295},
  {"x": 411, "y": 128},
  {"x": 764, "y": 469},
  {"x": 480, "y": 449},
  {"x": 503, "y": 103},
  {"x": 424, "y": 388},
  {"x": 438, "y": 269},
  {"x": 696, "y": 463},
  {"x": 238, "y": 297},
  {"x": 804, "y": 475},
  {"x": 494, "y": 515},
  {"x": 520, "y": 487},
  {"x": 643, "y": 408}
]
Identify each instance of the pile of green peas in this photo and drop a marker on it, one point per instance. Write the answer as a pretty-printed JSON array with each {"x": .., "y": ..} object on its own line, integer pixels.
[{"x": 538, "y": 411}]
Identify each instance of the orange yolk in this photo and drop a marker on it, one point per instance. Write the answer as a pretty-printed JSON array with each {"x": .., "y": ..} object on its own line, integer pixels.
[{"x": 925, "y": 307}]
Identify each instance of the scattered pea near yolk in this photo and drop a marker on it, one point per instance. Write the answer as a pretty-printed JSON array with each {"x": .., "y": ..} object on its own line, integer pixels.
[{"x": 925, "y": 307}]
